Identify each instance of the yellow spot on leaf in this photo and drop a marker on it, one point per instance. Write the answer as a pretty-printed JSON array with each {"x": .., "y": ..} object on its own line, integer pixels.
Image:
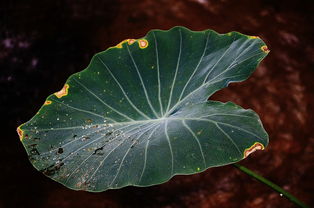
[
  {"x": 131, "y": 41},
  {"x": 90, "y": 149},
  {"x": 63, "y": 91},
  {"x": 229, "y": 33},
  {"x": 88, "y": 121},
  {"x": 198, "y": 169},
  {"x": 142, "y": 43},
  {"x": 47, "y": 102},
  {"x": 20, "y": 132},
  {"x": 265, "y": 49},
  {"x": 253, "y": 37},
  {"x": 199, "y": 132},
  {"x": 119, "y": 45},
  {"x": 253, "y": 148}
]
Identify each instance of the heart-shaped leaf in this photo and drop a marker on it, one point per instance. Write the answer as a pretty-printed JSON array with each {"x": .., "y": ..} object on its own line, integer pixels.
[{"x": 138, "y": 114}]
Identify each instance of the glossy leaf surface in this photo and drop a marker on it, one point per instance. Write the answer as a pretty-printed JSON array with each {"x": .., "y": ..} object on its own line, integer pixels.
[{"x": 138, "y": 114}]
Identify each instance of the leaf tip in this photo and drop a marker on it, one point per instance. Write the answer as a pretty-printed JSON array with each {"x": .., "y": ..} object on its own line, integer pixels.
[
  {"x": 63, "y": 91},
  {"x": 256, "y": 146}
]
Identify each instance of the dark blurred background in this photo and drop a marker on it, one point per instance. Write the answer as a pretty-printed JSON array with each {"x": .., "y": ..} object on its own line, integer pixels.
[{"x": 42, "y": 42}]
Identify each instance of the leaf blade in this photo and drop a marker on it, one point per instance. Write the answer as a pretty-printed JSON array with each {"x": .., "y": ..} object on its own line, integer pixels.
[{"x": 138, "y": 115}]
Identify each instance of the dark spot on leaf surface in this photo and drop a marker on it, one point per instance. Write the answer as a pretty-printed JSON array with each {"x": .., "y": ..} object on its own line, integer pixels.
[
  {"x": 32, "y": 145},
  {"x": 52, "y": 169},
  {"x": 173, "y": 112},
  {"x": 60, "y": 150},
  {"x": 98, "y": 151}
]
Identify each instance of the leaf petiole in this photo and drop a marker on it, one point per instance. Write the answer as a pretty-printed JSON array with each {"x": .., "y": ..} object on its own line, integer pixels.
[{"x": 270, "y": 184}]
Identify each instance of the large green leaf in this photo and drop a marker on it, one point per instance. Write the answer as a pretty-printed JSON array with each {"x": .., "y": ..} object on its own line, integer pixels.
[{"x": 138, "y": 114}]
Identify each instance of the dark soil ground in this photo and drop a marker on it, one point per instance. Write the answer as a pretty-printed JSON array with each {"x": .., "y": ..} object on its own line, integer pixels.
[{"x": 42, "y": 42}]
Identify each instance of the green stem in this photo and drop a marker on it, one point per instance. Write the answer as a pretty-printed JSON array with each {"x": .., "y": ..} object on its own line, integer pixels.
[{"x": 271, "y": 185}]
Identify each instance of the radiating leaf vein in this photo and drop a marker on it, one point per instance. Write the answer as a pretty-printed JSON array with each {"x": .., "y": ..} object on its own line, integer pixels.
[
  {"x": 170, "y": 146},
  {"x": 230, "y": 139},
  {"x": 123, "y": 158},
  {"x": 196, "y": 68},
  {"x": 196, "y": 139},
  {"x": 145, "y": 153},
  {"x": 218, "y": 61},
  {"x": 176, "y": 72},
  {"x": 121, "y": 88},
  {"x": 158, "y": 74},
  {"x": 230, "y": 125},
  {"x": 141, "y": 79},
  {"x": 110, "y": 107},
  {"x": 126, "y": 137}
]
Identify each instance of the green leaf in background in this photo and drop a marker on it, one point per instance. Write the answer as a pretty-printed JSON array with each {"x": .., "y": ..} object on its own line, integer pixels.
[{"x": 138, "y": 114}]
